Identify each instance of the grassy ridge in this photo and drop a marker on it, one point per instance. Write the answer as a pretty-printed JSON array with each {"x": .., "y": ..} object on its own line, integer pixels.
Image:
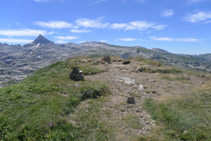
[
  {"x": 186, "y": 118},
  {"x": 182, "y": 110},
  {"x": 35, "y": 108}
]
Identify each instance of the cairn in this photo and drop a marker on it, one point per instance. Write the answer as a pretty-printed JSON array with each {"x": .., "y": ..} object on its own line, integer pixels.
[{"x": 76, "y": 74}]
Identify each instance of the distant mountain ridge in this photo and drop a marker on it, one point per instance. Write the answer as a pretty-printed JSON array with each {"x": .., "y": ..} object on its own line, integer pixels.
[
  {"x": 160, "y": 50},
  {"x": 17, "y": 61}
]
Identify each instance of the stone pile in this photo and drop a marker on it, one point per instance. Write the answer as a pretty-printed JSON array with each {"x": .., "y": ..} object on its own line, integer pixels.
[{"x": 76, "y": 74}]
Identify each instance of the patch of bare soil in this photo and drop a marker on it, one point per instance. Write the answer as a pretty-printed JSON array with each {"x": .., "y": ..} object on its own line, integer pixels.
[
  {"x": 131, "y": 120},
  {"x": 123, "y": 83}
]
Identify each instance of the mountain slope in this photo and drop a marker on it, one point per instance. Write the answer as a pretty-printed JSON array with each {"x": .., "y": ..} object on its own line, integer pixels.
[
  {"x": 35, "y": 108},
  {"x": 49, "y": 106}
]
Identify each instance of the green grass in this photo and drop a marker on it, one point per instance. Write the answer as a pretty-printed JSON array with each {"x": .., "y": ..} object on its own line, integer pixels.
[
  {"x": 186, "y": 119},
  {"x": 35, "y": 109},
  {"x": 90, "y": 71},
  {"x": 162, "y": 70},
  {"x": 93, "y": 90},
  {"x": 91, "y": 123},
  {"x": 132, "y": 121}
]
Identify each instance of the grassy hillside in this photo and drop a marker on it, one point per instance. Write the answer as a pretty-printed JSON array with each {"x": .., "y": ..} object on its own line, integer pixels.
[
  {"x": 36, "y": 108},
  {"x": 49, "y": 106}
]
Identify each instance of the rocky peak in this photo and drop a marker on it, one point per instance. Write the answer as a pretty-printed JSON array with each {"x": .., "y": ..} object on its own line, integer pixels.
[{"x": 41, "y": 40}]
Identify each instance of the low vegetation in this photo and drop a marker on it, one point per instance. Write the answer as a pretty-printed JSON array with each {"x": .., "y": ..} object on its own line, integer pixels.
[
  {"x": 90, "y": 71},
  {"x": 41, "y": 106},
  {"x": 90, "y": 121},
  {"x": 182, "y": 115},
  {"x": 35, "y": 109}
]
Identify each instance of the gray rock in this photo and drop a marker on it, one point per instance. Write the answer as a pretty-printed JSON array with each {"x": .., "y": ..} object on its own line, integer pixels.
[
  {"x": 107, "y": 59},
  {"x": 131, "y": 100}
]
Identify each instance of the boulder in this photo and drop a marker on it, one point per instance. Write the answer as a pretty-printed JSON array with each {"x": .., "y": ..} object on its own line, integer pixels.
[
  {"x": 126, "y": 62},
  {"x": 107, "y": 59}
]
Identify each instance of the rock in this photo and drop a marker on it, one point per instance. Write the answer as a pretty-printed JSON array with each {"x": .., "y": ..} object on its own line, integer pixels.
[
  {"x": 137, "y": 110},
  {"x": 131, "y": 100},
  {"x": 107, "y": 59},
  {"x": 126, "y": 80},
  {"x": 141, "y": 87},
  {"x": 126, "y": 62},
  {"x": 153, "y": 91},
  {"x": 76, "y": 74}
]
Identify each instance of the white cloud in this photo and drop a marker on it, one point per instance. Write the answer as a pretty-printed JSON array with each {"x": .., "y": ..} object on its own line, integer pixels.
[
  {"x": 23, "y": 32},
  {"x": 82, "y": 41},
  {"x": 199, "y": 16},
  {"x": 41, "y": 0},
  {"x": 89, "y": 23},
  {"x": 167, "y": 13},
  {"x": 80, "y": 30},
  {"x": 139, "y": 1},
  {"x": 11, "y": 40},
  {"x": 98, "y": 1},
  {"x": 174, "y": 39},
  {"x": 54, "y": 24},
  {"x": 48, "y": 0},
  {"x": 137, "y": 25},
  {"x": 103, "y": 41},
  {"x": 127, "y": 39},
  {"x": 208, "y": 22},
  {"x": 66, "y": 37},
  {"x": 195, "y": 1},
  {"x": 61, "y": 42}
]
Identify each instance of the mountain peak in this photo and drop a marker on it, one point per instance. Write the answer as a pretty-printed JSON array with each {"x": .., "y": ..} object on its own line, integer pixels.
[{"x": 41, "y": 40}]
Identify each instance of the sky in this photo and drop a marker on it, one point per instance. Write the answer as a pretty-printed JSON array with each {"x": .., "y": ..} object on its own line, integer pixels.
[{"x": 178, "y": 26}]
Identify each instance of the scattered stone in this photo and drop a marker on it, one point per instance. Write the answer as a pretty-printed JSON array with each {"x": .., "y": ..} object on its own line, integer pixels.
[
  {"x": 126, "y": 62},
  {"x": 153, "y": 91},
  {"x": 126, "y": 80},
  {"x": 137, "y": 110},
  {"x": 141, "y": 87},
  {"x": 107, "y": 59},
  {"x": 122, "y": 110},
  {"x": 147, "y": 122},
  {"x": 76, "y": 74},
  {"x": 131, "y": 100}
]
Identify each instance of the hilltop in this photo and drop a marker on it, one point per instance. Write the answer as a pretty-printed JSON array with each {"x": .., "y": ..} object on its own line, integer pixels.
[
  {"x": 171, "y": 103},
  {"x": 16, "y": 61}
]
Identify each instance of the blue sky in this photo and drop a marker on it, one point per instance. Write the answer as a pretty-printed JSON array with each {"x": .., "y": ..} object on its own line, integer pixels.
[{"x": 179, "y": 26}]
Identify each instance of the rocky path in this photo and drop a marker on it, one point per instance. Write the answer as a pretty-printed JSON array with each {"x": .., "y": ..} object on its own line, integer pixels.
[{"x": 130, "y": 120}]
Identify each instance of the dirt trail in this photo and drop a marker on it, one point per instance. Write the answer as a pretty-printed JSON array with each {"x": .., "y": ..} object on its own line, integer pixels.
[{"x": 130, "y": 120}]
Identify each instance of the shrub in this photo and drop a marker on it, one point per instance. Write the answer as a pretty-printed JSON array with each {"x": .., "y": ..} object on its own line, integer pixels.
[{"x": 93, "y": 91}]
